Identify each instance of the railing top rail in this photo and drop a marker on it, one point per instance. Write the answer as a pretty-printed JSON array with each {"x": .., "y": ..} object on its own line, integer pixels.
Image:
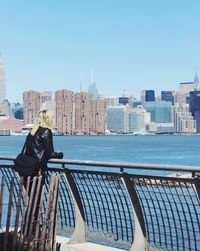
[{"x": 124, "y": 165}]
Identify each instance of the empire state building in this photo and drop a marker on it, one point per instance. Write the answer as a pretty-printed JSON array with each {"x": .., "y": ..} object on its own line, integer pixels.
[{"x": 2, "y": 83}]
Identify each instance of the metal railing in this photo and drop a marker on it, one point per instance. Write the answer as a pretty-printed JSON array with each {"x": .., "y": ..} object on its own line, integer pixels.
[{"x": 120, "y": 206}]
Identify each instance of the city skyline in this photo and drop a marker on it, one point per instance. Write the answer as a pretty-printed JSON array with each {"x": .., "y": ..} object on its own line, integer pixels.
[
  {"x": 126, "y": 45},
  {"x": 123, "y": 92}
]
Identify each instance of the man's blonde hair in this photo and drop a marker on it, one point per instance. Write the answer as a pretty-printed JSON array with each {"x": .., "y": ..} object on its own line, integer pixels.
[{"x": 43, "y": 119}]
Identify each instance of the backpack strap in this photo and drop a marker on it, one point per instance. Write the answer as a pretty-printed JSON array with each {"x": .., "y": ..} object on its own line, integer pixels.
[{"x": 24, "y": 147}]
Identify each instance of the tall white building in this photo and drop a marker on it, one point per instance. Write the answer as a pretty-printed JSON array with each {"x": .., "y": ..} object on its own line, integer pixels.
[
  {"x": 183, "y": 120},
  {"x": 138, "y": 118},
  {"x": 2, "y": 83},
  {"x": 111, "y": 101}
]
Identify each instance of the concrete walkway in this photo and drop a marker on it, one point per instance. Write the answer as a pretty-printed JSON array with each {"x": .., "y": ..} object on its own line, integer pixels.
[{"x": 85, "y": 246}]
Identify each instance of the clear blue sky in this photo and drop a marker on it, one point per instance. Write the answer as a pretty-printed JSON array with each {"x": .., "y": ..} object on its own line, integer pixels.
[{"x": 133, "y": 45}]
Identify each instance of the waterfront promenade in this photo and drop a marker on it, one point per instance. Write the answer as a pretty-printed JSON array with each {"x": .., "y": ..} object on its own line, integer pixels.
[
  {"x": 85, "y": 246},
  {"x": 120, "y": 209}
]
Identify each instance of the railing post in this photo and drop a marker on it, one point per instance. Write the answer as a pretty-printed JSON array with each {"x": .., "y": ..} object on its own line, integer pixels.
[
  {"x": 79, "y": 234},
  {"x": 197, "y": 187},
  {"x": 139, "y": 243}
]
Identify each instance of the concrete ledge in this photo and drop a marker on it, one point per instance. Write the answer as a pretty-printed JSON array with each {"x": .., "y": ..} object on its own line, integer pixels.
[{"x": 85, "y": 246}]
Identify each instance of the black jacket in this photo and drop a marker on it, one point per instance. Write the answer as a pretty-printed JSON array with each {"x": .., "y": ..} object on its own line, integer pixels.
[{"x": 40, "y": 145}]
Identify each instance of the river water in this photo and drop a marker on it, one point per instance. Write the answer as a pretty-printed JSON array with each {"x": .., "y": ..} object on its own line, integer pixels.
[{"x": 173, "y": 150}]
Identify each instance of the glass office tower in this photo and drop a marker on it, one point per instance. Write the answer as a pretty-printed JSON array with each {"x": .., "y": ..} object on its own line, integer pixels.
[{"x": 195, "y": 107}]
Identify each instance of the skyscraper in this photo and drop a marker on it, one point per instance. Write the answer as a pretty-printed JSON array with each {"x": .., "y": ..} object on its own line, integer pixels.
[
  {"x": 161, "y": 111},
  {"x": 92, "y": 89},
  {"x": 82, "y": 112},
  {"x": 183, "y": 120},
  {"x": 138, "y": 118},
  {"x": 147, "y": 95},
  {"x": 31, "y": 100},
  {"x": 65, "y": 111},
  {"x": 45, "y": 96},
  {"x": 117, "y": 119},
  {"x": 2, "y": 83},
  {"x": 111, "y": 101},
  {"x": 183, "y": 95},
  {"x": 167, "y": 96},
  {"x": 97, "y": 123},
  {"x": 195, "y": 107},
  {"x": 124, "y": 100},
  {"x": 196, "y": 79},
  {"x": 150, "y": 95}
]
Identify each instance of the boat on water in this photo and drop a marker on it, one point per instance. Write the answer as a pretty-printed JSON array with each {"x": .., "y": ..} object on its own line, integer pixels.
[
  {"x": 24, "y": 131},
  {"x": 27, "y": 128}
]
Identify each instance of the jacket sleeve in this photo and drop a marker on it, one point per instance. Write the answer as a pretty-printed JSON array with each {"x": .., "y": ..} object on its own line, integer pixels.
[{"x": 48, "y": 146}]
